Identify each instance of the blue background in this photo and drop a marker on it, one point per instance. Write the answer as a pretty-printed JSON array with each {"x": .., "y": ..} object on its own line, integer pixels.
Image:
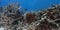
[{"x": 31, "y": 4}]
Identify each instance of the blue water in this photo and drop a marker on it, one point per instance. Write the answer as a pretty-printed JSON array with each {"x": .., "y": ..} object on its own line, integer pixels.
[{"x": 31, "y": 4}]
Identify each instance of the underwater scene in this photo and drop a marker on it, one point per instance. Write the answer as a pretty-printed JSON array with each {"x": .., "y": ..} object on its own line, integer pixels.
[{"x": 29, "y": 14}]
